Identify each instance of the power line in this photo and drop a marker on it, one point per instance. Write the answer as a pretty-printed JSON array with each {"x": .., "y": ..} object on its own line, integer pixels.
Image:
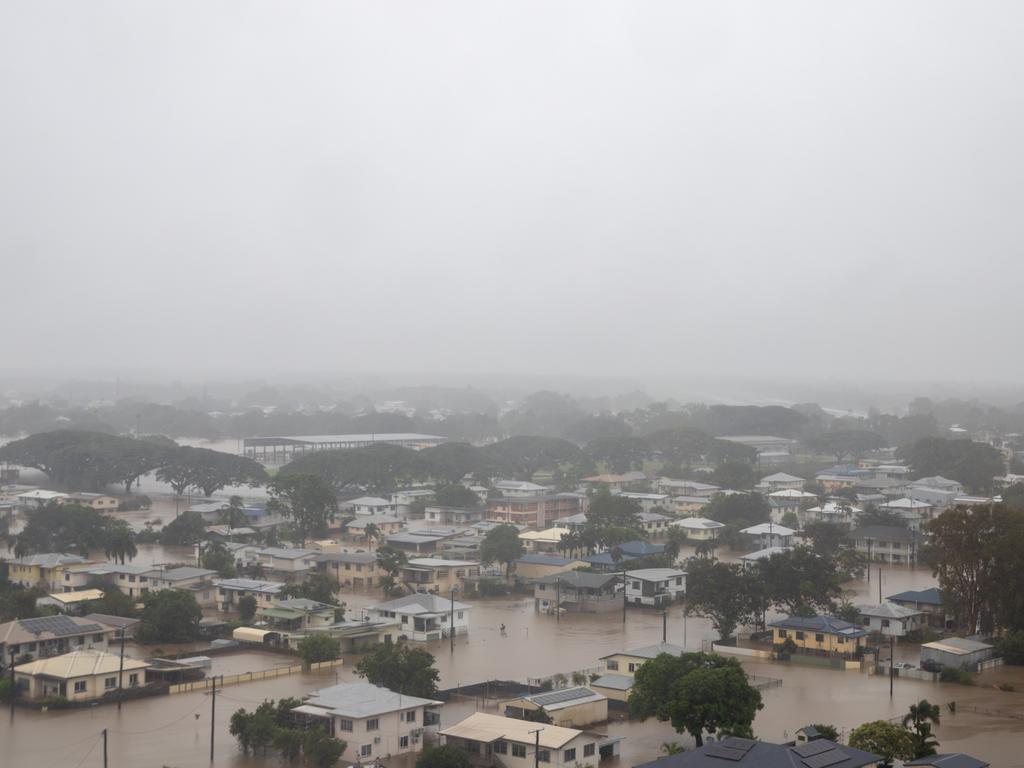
[
  {"x": 86, "y": 755},
  {"x": 159, "y": 727}
]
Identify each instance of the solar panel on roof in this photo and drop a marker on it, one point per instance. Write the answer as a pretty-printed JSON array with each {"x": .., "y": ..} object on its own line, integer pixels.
[
  {"x": 726, "y": 753},
  {"x": 813, "y": 748},
  {"x": 825, "y": 759},
  {"x": 59, "y": 626},
  {"x": 557, "y": 697}
]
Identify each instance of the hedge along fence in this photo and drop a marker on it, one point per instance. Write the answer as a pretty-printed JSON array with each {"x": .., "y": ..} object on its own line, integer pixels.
[{"x": 248, "y": 677}]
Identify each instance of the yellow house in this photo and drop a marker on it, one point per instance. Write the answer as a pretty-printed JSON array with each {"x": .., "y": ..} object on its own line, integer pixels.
[
  {"x": 548, "y": 540},
  {"x": 575, "y": 707},
  {"x": 45, "y": 570},
  {"x": 820, "y": 634},
  {"x": 79, "y": 675},
  {"x": 433, "y": 574},
  {"x": 620, "y": 668}
]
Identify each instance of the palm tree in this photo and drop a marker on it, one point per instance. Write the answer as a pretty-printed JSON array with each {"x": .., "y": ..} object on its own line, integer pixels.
[
  {"x": 233, "y": 515},
  {"x": 922, "y": 716},
  {"x": 372, "y": 533},
  {"x": 674, "y": 542},
  {"x": 671, "y": 747},
  {"x": 119, "y": 542},
  {"x": 705, "y": 549}
]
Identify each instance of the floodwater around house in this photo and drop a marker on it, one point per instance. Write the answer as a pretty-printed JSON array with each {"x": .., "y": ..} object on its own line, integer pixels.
[{"x": 175, "y": 730}]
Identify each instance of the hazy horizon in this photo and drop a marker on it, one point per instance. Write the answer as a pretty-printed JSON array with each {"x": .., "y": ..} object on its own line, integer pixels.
[{"x": 726, "y": 190}]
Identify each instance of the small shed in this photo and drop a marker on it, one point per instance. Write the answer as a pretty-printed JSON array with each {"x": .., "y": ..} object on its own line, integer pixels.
[
  {"x": 957, "y": 652},
  {"x": 258, "y": 636},
  {"x": 568, "y": 707}
]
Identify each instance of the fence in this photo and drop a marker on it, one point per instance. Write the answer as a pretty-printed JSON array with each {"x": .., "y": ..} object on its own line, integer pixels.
[
  {"x": 735, "y": 650},
  {"x": 989, "y": 712},
  {"x": 762, "y": 683},
  {"x": 248, "y": 677}
]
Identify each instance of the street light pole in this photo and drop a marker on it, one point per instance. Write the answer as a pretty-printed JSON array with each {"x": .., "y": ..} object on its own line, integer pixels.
[{"x": 536, "y": 747}]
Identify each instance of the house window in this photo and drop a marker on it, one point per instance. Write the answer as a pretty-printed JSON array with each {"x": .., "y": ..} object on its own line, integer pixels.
[
  {"x": 819, "y": 637},
  {"x": 885, "y": 622},
  {"x": 570, "y": 755},
  {"x": 458, "y": 614},
  {"x": 783, "y": 633},
  {"x": 588, "y": 750},
  {"x": 799, "y": 635},
  {"x": 544, "y": 756},
  {"x": 80, "y": 686},
  {"x": 501, "y": 747},
  {"x": 344, "y": 725},
  {"x": 97, "y": 638},
  {"x": 133, "y": 679},
  {"x": 410, "y": 716},
  {"x": 403, "y": 742},
  {"x": 142, "y": 579},
  {"x": 365, "y": 750},
  {"x": 109, "y": 682},
  {"x": 633, "y": 666},
  {"x": 373, "y": 724},
  {"x": 518, "y": 750}
]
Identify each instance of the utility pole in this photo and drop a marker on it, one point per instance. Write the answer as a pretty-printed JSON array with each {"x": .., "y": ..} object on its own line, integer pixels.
[
  {"x": 213, "y": 716},
  {"x": 120, "y": 672},
  {"x": 892, "y": 668},
  {"x": 14, "y": 687},
  {"x": 684, "y": 622},
  {"x": 451, "y": 632},
  {"x": 536, "y": 747},
  {"x": 664, "y": 626},
  {"x": 104, "y": 748},
  {"x": 558, "y": 600},
  {"x": 623, "y": 595},
  {"x": 879, "y": 584}
]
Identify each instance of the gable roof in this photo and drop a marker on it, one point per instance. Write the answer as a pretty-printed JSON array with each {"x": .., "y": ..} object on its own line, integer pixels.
[
  {"x": 47, "y": 628},
  {"x": 80, "y": 664},
  {"x": 650, "y": 651},
  {"x": 828, "y": 625},
  {"x": 49, "y": 560},
  {"x": 580, "y": 579},
  {"x": 361, "y": 700},
  {"x": 490, "y": 728},
  {"x": 420, "y": 603},
  {"x": 950, "y": 760},
  {"x": 732, "y": 751},
  {"x": 930, "y": 596}
]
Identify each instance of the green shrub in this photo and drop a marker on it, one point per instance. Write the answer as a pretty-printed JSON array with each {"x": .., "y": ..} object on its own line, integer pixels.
[{"x": 954, "y": 675}]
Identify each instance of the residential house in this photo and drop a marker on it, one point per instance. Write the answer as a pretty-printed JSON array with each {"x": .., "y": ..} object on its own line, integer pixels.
[
  {"x": 890, "y": 619},
  {"x": 820, "y": 634},
  {"x": 286, "y": 562},
  {"x": 836, "y": 512},
  {"x": 627, "y": 552},
  {"x": 297, "y": 614},
  {"x": 182, "y": 577},
  {"x": 689, "y": 505},
  {"x": 915, "y": 512},
  {"x": 373, "y": 722},
  {"x": 513, "y": 488},
  {"x": 649, "y": 501},
  {"x": 423, "y": 540},
  {"x": 430, "y": 574},
  {"x": 358, "y": 636},
  {"x": 120, "y": 624},
  {"x": 653, "y": 524},
  {"x": 39, "y": 498},
  {"x": 699, "y": 528},
  {"x": 79, "y": 676},
  {"x": 98, "y": 501},
  {"x": 579, "y": 592},
  {"x": 780, "y": 481},
  {"x": 355, "y": 530},
  {"x": 529, "y": 568},
  {"x": 782, "y": 503},
  {"x": 655, "y": 587},
  {"x": 453, "y": 516},
  {"x": 130, "y": 579},
  {"x": 616, "y": 483},
  {"x": 424, "y": 617},
  {"x": 493, "y": 741},
  {"x": 43, "y": 570},
  {"x": 575, "y": 707},
  {"x": 535, "y": 511},
  {"x": 621, "y": 666},
  {"x": 406, "y": 498},
  {"x": 549, "y": 540},
  {"x": 770, "y": 449},
  {"x": 353, "y": 570},
  {"x": 735, "y": 752},
  {"x": 884, "y": 487},
  {"x": 70, "y": 602},
  {"x": 928, "y": 601},
  {"x": 887, "y": 543},
  {"x": 938, "y": 481},
  {"x": 673, "y": 487},
  {"x": 751, "y": 558},
  {"x": 51, "y": 636},
  {"x": 766, "y": 535},
  {"x": 368, "y": 506},
  {"x": 230, "y": 591},
  {"x": 832, "y": 482},
  {"x": 957, "y": 652}
]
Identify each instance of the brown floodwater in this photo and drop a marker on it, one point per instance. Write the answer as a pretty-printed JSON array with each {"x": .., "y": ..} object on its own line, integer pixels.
[{"x": 175, "y": 730}]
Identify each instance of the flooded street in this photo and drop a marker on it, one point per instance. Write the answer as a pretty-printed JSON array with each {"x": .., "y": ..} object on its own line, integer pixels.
[{"x": 149, "y": 731}]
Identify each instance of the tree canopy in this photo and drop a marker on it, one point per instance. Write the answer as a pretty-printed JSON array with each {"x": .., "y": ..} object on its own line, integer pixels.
[
  {"x": 307, "y": 500},
  {"x": 973, "y": 464},
  {"x": 698, "y": 693},
  {"x": 169, "y": 616},
  {"x": 502, "y": 545},
  {"x": 401, "y": 669},
  {"x": 891, "y": 741}
]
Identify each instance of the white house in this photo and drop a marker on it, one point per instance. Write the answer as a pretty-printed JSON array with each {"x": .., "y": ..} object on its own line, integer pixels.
[
  {"x": 512, "y": 743},
  {"x": 230, "y": 591},
  {"x": 685, "y": 487},
  {"x": 648, "y": 501},
  {"x": 784, "y": 502},
  {"x": 780, "y": 481},
  {"x": 770, "y": 535},
  {"x": 699, "y": 528},
  {"x": 891, "y": 619},
  {"x": 373, "y": 722},
  {"x": 514, "y": 488},
  {"x": 914, "y": 511},
  {"x": 369, "y": 505},
  {"x": 287, "y": 560},
  {"x": 424, "y": 617},
  {"x": 655, "y": 587},
  {"x": 834, "y": 512}
]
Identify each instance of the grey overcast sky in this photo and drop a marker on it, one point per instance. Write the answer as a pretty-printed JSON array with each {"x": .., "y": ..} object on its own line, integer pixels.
[{"x": 727, "y": 188}]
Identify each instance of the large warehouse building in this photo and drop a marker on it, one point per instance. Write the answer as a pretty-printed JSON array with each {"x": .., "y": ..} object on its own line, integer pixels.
[{"x": 280, "y": 450}]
